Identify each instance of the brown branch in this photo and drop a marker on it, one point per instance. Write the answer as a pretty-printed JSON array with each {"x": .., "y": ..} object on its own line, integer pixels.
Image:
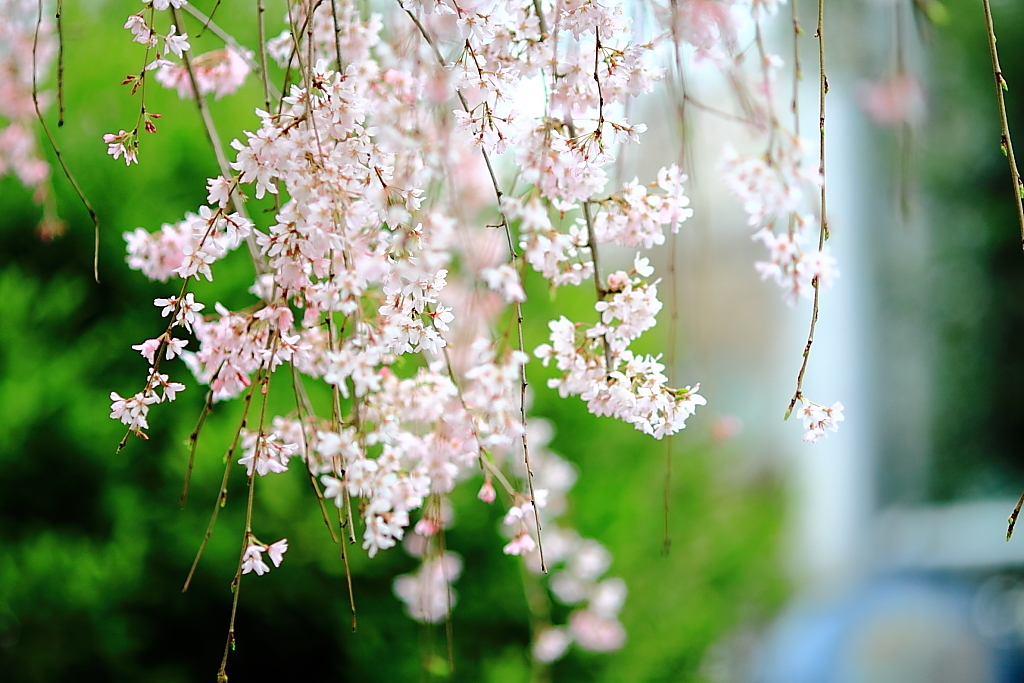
[
  {"x": 193, "y": 443},
  {"x": 56, "y": 150},
  {"x": 823, "y": 231},
  {"x": 1012, "y": 521},
  {"x": 222, "y": 495},
  {"x": 218, "y": 150},
  {"x": 1005, "y": 142},
  {"x": 60, "y": 63},
  {"x": 514, "y": 256}
]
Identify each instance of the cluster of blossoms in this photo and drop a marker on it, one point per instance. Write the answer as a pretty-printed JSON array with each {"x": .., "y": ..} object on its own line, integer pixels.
[
  {"x": 427, "y": 593},
  {"x": 777, "y": 186},
  {"x": 386, "y": 270},
  {"x": 572, "y": 567},
  {"x": 818, "y": 418},
  {"x": 576, "y": 565},
  {"x": 220, "y": 72},
  {"x": 252, "y": 557},
  {"x": 773, "y": 191},
  {"x": 597, "y": 365}
]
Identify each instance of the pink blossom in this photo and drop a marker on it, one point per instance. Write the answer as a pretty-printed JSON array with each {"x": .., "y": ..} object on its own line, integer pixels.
[
  {"x": 221, "y": 72},
  {"x": 487, "y": 493},
  {"x": 595, "y": 633},
  {"x": 521, "y": 544},
  {"x": 252, "y": 560},
  {"x": 894, "y": 100},
  {"x": 122, "y": 143},
  {"x": 276, "y": 551}
]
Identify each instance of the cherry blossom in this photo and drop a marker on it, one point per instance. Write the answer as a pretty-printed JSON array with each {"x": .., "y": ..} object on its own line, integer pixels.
[
  {"x": 276, "y": 551},
  {"x": 163, "y": 5},
  {"x": 132, "y": 411},
  {"x": 252, "y": 560},
  {"x": 427, "y": 594},
  {"x": 411, "y": 194},
  {"x": 122, "y": 144},
  {"x": 176, "y": 43},
  {"x": 219, "y": 72},
  {"x": 817, "y": 418}
]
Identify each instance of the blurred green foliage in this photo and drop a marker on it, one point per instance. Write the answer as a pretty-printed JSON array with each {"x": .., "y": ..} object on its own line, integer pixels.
[{"x": 94, "y": 548}]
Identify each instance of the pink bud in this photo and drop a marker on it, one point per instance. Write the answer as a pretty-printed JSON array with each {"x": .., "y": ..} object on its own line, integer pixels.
[{"x": 487, "y": 493}]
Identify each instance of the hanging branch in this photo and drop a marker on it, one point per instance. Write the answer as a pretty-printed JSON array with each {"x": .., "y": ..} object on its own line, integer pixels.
[
  {"x": 222, "y": 492},
  {"x": 823, "y": 235},
  {"x": 1012, "y": 521},
  {"x": 514, "y": 255},
  {"x": 56, "y": 149},
  {"x": 218, "y": 150},
  {"x": 193, "y": 443},
  {"x": 60, "y": 63},
  {"x": 1004, "y": 142}
]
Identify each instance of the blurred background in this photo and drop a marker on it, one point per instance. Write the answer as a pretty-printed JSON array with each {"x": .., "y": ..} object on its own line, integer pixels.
[{"x": 876, "y": 555}]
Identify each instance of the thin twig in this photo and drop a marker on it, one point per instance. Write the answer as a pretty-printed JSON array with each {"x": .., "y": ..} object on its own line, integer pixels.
[
  {"x": 599, "y": 288},
  {"x": 60, "y": 63},
  {"x": 259, "y": 67},
  {"x": 301, "y": 400},
  {"x": 513, "y": 254},
  {"x": 1012, "y": 521},
  {"x": 337, "y": 34},
  {"x": 236, "y": 582},
  {"x": 666, "y": 543},
  {"x": 342, "y": 523},
  {"x": 193, "y": 443},
  {"x": 823, "y": 231},
  {"x": 216, "y": 6},
  {"x": 60, "y": 157},
  {"x": 1005, "y": 142},
  {"x": 261, "y": 36},
  {"x": 222, "y": 495},
  {"x": 218, "y": 150},
  {"x": 797, "y": 70},
  {"x": 684, "y": 155},
  {"x": 449, "y": 631}
]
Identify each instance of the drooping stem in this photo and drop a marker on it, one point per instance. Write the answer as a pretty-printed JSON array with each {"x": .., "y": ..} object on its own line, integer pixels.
[
  {"x": 1005, "y": 142},
  {"x": 1012, "y": 521},
  {"x": 222, "y": 494},
  {"x": 56, "y": 149},
  {"x": 247, "y": 535},
  {"x": 514, "y": 256},
  {"x": 193, "y": 443},
  {"x": 823, "y": 230},
  {"x": 346, "y": 521},
  {"x": 218, "y": 149},
  {"x": 236, "y": 583},
  {"x": 305, "y": 412},
  {"x": 797, "y": 71},
  {"x": 262, "y": 38},
  {"x": 60, "y": 62}
]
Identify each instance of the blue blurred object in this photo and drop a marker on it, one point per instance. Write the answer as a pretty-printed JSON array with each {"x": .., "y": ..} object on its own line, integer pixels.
[{"x": 910, "y": 628}]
